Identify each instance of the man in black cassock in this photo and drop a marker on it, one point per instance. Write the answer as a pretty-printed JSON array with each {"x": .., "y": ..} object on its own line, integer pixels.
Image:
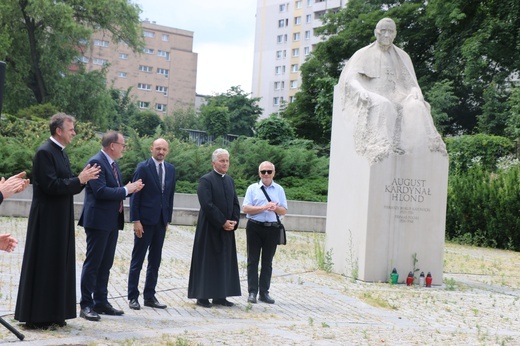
[
  {"x": 214, "y": 266},
  {"x": 47, "y": 291}
]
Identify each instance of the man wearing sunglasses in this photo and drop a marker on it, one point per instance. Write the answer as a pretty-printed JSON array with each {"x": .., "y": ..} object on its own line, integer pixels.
[{"x": 262, "y": 230}]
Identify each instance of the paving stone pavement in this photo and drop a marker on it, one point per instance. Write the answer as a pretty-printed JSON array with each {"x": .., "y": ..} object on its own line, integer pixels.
[{"x": 312, "y": 307}]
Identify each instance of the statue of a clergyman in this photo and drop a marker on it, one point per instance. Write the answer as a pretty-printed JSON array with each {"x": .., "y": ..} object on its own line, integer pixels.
[{"x": 384, "y": 99}]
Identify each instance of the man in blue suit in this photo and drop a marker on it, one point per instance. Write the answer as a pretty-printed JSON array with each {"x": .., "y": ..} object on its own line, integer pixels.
[
  {"x": 103, "y": 217},
  {"x": 151, "y": 212}
]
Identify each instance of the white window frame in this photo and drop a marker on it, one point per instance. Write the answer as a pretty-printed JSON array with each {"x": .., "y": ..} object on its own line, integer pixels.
[
  {"x": 165, "y": 37},
  {"x": 144, "y": 68},
  {"x": 294, "y": 84},
  {"x": 296, "y": 36},
  {"x": 162, "y": 89},
  {"x": 148, "y": 50},
  {"x": 306, "y": 51},
  {"x": 308, "y": 18},
  {"x": 121, "y": 74},
  {"x": 163, "y": 71},
  {"x": 276, "y": 101},
  {"x": 99, "y": 61},
  {"x": 297, "y": 20},
  {"x": 143, "y": 104},
  {"x": 295, "y": 52},
  {"x": 294, "y": 68},
  {"x": 149, "y": 34},
  {"x": 123, "y": 56},
  {"x": 298, "y": 4},
  {"x": 144, "y": 86},
  {"x": 161, "y": 107},
  {"x": 101, "y": 43}
]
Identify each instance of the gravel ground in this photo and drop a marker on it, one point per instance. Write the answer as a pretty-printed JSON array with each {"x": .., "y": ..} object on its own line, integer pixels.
[{"x": 478, "y": 304}]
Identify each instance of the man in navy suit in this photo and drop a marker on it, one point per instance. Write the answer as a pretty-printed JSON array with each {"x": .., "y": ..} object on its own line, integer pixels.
[
  {"x": 151, "y": 212},
  {"x": 102, "y": 217}
]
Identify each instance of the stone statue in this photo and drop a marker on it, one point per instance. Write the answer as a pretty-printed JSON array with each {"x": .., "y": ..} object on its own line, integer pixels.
[{"x": 383, "y": 98}]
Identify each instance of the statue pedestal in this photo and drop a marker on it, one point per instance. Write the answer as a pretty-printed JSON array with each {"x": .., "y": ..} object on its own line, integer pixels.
[{"x": 386, "y": 213}]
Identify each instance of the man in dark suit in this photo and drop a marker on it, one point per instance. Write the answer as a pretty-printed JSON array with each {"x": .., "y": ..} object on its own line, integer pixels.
[
  {"x": 151, "y": 212},
  {"x": 47, "y": 290},
  {"x": 214, "y": 266},
  {"x": 102, "y": 217}
]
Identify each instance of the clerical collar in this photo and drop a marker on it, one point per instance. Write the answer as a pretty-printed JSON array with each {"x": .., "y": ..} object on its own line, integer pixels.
[
  {"x": 222, "y": 175},
  {"x": 57, "y": 143}
]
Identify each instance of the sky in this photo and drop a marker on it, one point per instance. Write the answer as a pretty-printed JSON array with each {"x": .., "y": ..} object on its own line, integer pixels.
[{"x": 223, "y": 38}]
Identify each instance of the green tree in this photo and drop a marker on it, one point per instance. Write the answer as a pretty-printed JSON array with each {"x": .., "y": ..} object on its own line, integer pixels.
[
  {"x": 145, "y": 123},
  {"x": 275, "y": 130},
  {"x": 215, "y": 119},
  {"x": 181, "y": 120},
  {"x": 243, "y": 110},
  {"x": 125, "y": 108},
  {"x": 442, "y": 98},
  {"x": 40, "y": 39}
]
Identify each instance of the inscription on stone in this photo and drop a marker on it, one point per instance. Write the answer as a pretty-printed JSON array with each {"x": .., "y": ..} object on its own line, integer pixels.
[{"x": 408, "y": 190}]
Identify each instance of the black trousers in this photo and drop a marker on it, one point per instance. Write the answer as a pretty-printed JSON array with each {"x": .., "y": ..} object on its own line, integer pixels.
[{"x": 261, "y": 241}]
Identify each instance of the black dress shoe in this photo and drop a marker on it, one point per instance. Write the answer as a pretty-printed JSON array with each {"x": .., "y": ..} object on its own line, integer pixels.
[
  {"x": 89, "y": 314},
  {"x": 154, "y": 303},
  {"x": 134, "y": 304},
  {"x": 204, "y": 303},
  {"x": 108, "y": 309},
  {"x": 252, "y": 298},
  {"x": 266, "y": 298},
  {"x": 222, "y": 301}
]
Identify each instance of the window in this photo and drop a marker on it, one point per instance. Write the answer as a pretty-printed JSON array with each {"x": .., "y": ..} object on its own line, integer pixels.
[
  {"x": 291, "y": 99},
  {"x": 148, "y": 51},
  {"x": 276, "y": 101},
  {"x": 123, "y": 56},
  {"x": 309, "y": 3},
  {"x": 278, "y": 70},
  {"x": 294, "y": 84},
  {"x": 83, "y": 42},
  {"x": 298, "y": 4},
  {"x": 84, "y": 59},
  {"x": 160, "y": 107},
  {"x": 281, "y": 23},
  {"x": 142, "y": 86},
  {"x": 277, "y": 85},
  {"x": 306, "y": 51},
  {"x": 165, "y": 37},
  {"x": 308, "y": 18},
  {"x": 294, "y": 68},
  {"x": 143, "y": 104},
  {"x": 296, "y": 36},
  {"x": 296, "y": 52},
  {"x": 297, "y": 20},
  {"x": 282, "y": 8},
  {"x": 164, "y": 54},
  {"x": 145, "y": 68},
  {"x": 278, "y": 54},
  {"x": 121, "y": 74},
  {"x": 163, "y": 71},
  {"x": 100, "y": 43},
  {"x": 279, "y": 39},
  {"x": 149, "y": 34},
  {"x": 97, "y": 61},
  {"x": 162, "y": 89},
  {"x": 308, "y": 35}
]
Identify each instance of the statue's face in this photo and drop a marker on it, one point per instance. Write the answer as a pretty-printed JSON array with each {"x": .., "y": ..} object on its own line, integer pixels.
[{"x": 385, "y": 33}]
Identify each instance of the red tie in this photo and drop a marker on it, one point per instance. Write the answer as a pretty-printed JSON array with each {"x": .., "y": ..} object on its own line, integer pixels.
[{"x": 118, "y": 184}]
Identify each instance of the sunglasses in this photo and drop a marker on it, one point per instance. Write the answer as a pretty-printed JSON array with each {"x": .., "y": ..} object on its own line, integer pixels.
[{"x": 267, "y": 172}]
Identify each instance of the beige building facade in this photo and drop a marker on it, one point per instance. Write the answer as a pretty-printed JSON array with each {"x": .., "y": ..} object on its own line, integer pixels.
[
  {"x": 162, "y": 77},
  {"x": 284, "y": 38}
]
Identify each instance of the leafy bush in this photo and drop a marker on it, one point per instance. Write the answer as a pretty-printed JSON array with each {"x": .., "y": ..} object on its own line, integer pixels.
[{"x": 465, "y": 150}]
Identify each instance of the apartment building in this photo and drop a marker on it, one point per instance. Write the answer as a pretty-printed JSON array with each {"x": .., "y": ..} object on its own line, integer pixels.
[
  {"x": 163, "y": 77},
  {"x": 284, "y": 38}
]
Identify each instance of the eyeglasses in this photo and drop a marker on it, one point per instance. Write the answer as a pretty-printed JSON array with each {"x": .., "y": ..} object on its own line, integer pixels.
[
  {"x": 267, "y": 172},
  {"x": 123, "y": 145}
]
